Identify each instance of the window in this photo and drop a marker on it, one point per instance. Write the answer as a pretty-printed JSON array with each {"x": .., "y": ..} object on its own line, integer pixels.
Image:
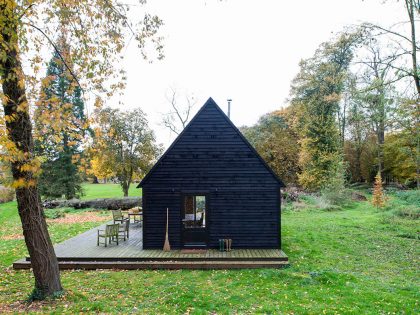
[{"x": 194, "y": 212}]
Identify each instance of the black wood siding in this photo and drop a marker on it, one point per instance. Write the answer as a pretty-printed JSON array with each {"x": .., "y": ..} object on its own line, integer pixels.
[{"x": 211, "y": 157}]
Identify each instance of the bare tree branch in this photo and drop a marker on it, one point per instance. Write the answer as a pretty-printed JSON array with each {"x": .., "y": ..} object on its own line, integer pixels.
[
  {"x": 177, "y": 119},
  {"x": 388, "y": 31}
]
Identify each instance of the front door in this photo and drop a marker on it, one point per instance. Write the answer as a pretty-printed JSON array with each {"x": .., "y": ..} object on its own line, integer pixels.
[{"x": 194, "y": 223}]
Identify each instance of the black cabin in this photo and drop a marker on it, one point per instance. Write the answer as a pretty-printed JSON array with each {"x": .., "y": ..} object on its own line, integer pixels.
[{"x": 215, "y": 185}]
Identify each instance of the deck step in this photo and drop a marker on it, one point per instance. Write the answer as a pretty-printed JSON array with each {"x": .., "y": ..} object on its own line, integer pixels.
[
  {"x": 132, "y": 265},
  {"x": 182, "y": 257}
]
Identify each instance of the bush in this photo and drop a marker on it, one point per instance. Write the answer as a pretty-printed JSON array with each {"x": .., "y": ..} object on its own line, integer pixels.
[
  {"x": 54, "y": 213},
  {"x": 409, "y": 212},
  {"x": 291, "y": 194},
  {"x": 6, "y": 194},
  {"x": 409, "y": 196},
  {"x": 327, "y": 202},
  {"x": 318, "y": 201}
]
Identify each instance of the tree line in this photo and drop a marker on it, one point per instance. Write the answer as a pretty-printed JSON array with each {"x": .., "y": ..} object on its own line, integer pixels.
[{"x": 353, "y": 112}]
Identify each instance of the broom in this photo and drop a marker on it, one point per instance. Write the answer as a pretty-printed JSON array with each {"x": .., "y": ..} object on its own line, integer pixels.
[{"x": 166, "y": 246}]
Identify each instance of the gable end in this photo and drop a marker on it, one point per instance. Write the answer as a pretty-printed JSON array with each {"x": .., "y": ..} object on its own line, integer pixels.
[{"x": 210, "y": 102}]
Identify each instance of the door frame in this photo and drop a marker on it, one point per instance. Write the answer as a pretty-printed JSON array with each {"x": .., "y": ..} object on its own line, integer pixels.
[{"x": 206, "y": 194}]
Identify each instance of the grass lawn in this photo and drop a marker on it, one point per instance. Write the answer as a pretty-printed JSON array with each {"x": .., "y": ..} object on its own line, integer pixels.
[
  {"x": 93, "y": 191},
  {"x": 357, "y": 260}
]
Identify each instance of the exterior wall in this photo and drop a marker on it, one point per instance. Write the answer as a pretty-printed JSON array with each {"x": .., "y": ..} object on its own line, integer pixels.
[
  {"x": 211, "y": 158},
  {"x": 154, "y": 219}
]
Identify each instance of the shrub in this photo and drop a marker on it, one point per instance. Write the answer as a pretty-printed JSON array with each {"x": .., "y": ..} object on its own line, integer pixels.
[
  {"x": 291, "y": 194},
  {"x": 323, "y": 202},
  {"x": 409, "y": 196},
  {"x": 6, "y": 194},
  {"x": 54, "y": 213},
  {"x": 337, "y": 197},
  {"x": 409, "y": 212}
]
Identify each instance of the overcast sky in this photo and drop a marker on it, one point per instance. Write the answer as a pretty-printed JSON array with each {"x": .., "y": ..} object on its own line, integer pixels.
[{"x": 241, "y": 49}]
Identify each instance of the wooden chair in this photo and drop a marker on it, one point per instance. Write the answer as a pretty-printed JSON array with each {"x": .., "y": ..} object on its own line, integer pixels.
[
  {"x": 118, "y": 216},
  {"x": 109, "y": 234},
  {"x": 124, "y": 230}
]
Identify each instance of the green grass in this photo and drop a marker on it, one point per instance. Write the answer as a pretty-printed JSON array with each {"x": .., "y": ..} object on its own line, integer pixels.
[
  {"x": 351, "y": 261},
  {"x": 93, "y": 191}
]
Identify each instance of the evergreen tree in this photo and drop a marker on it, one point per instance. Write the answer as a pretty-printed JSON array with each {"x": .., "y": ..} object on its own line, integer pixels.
[
  {"x": 57, "y": 142},
  {"x": 316, "y": 93}
]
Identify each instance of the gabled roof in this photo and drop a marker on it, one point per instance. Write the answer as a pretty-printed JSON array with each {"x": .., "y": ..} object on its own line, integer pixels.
[{"x": 210, "y": 102}]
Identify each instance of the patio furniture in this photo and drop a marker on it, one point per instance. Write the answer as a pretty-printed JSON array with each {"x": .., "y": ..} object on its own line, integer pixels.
[
  {"x": 118, "y": 216},
  {"x": 110, "y": 233},
  {"x": 137, "y": 216},
  {"x": 124, "y": 230}
]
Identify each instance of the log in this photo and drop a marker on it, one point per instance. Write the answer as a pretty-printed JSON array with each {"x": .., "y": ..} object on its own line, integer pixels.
[{"x": 102, "y": 203}]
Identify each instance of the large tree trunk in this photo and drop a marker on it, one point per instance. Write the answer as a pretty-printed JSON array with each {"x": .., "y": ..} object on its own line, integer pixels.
[
  {"x": 416, "y": 76},
  {"x": 381, "y": 142},
  {"x": 410, "y": 11},
  {"x": 125, "y": 189},
  {"x": 358, "y": 164},
  {"x": 125, "y": 184},
  {"x": 19, "y": 131}
]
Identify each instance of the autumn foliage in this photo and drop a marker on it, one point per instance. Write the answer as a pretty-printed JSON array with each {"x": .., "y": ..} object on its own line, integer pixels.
[{"x": 378, "y": 197}]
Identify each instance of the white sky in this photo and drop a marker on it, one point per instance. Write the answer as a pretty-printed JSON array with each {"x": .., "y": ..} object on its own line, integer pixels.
[{"x": 241, "y": 49}]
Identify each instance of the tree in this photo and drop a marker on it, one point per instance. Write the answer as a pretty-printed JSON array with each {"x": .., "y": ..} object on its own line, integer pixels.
[
  {"x": 124, "y": 144},
  {"x": 405, "y": 53},
  {"x": 60, "y": 144},
  {"x": 316, "y": 94},
  {"x": 400, "y": 157},
  {"x": 409, "y": 122},
  {"x": 378, "y": 198},
  {"x": 97, "y": 31},
  {"x": 407, "y": 44},
  {"x": 176, "y": 120},
  {"x": 376, "y": 91},
  {"x": 358, "y": 130},
  {"x": 277, "y": 142}
]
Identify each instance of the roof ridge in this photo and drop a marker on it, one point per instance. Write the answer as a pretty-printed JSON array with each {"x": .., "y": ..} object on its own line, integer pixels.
[{"x": 209, "y": 102}]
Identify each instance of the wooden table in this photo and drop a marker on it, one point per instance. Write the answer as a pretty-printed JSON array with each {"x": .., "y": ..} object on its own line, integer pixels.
[{"x": 134, "y": 215}]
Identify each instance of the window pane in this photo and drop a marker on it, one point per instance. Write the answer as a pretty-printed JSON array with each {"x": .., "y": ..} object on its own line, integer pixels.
[
  {"x": 200, "y": 210},
  {"x": 194, "y": 212}
]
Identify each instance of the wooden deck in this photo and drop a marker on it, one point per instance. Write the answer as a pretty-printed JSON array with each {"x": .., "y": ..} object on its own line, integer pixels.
[{"x": 81, "y": 252}]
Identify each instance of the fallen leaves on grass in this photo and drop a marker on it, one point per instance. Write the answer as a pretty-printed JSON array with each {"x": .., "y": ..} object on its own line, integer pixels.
[
  {"x": 80, "y": 218},
  {"x": 12, "y": 237},
  {"x": 24, "y": 307}
]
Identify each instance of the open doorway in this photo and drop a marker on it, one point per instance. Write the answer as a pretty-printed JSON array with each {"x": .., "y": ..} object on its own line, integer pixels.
[{"x": 194, "y": 223}]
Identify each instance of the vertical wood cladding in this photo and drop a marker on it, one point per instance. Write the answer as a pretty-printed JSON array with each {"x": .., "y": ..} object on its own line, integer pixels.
[{"x": 211, "y": 157}]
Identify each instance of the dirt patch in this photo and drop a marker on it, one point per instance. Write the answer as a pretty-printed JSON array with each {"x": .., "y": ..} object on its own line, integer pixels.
[{"x": 80, "y": 218}]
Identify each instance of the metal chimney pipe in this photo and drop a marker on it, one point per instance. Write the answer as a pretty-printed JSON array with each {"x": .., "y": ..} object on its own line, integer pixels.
[{"x": 229, "y": 100}]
